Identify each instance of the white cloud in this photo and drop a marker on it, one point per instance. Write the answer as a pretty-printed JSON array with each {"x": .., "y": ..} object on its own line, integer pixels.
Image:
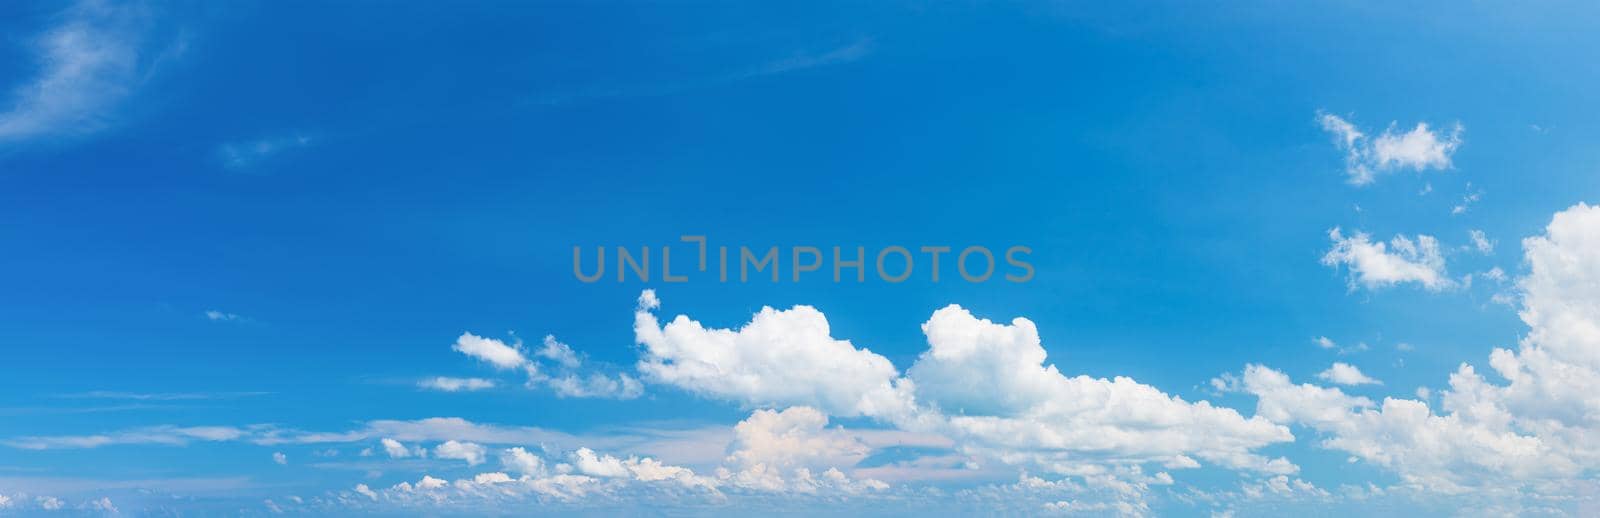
[
  {"x": 471, "y": 452},
  {"x": 390, "y": 434},
  {"x": 648, "y": 301},
  {"x": 164, "y": 435},
  {"x": 221, "y": 316},
  {"x": 996, "y": 394},
  {"x": 567, "y": 378},
  {"x": 1481, "y": 242},
  {"x": 1442, "y": 453},
  {"x": 490, "y": 350},
  {"x": 1419, "y": 149},
  {"x": 774, "y": 360},
  {"x": 429, "y": 482},
  {"x": 1534, "y": 433},
  {"x": 280, "y": 458},
  {"x": 801, "y": 61},
  {"x": 558, "y": 352},
  {"x": 419, "y": 430},
  {"x": 984, "y": 384},
  {"x": 799, "y": 481},
  {"x": 1097, "y": 508},
  {"x": 794, "y": 437},
  {"x": 398, "y": 450},
  {"x": 50, "y": 503},
  {"x": 1378, "y": 265},
  {"x": 1347, "y": 133},
  {"x": 592, "y": 474},
  {"x": 1467, "y": 200},
  {"x": 565, "y": 375},
  {"x": 1346, "y": 374},
  {"x": 1326, "y": 343},
  {"x": 596, "y": 385},
  {"x": 1122, "y": 493},
  {"x": 777, "y": 451},
  {"x": 242, "y": 154},
  {"x": 160, "y": 396},
  {"x": 1281, "y": 487},
  {"x": 88, "y": 64},
  {"x": 520, "y": 461},
  {"x": 455, "y": 384},
  {"x": 589, "y": 463}
]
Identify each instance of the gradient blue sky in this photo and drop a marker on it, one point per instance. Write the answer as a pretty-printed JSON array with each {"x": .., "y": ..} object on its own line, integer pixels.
[{"x": 275, "y": 220}]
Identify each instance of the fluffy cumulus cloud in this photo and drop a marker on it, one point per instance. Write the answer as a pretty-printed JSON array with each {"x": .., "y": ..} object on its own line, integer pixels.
[
  {"x": 793, "y": 451},
  {"x": 519, "y": 460},
  {"x": 983, "y": 384},
  {"x": 1346, "y": 374},
  {"x": 993, "y": 390},
  {"x": 1450, "y": 453},
  {"x": 1375, "y": 265},
  {"x": 1419, "y": 149},
  {"x": 771, "y": 361},
  {"x": 398, "y": 450},
  {"x": 1521, "y": 431},
  {"x": 1530, "y": 435},
  {"x": 470, "y": 452},
  {"x": 793, "y": 437}
]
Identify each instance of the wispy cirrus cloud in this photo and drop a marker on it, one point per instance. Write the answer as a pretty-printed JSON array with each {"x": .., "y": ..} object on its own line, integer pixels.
[
  {"x": 94, "y": 58},
  {"x": 430, "y": 429},
  {"x": 448, "y": 384},
  {"x": 125, "y": 402},
  {"x": 222, "y": 316},
  {"x": 159, "y": 396},
  {"x": 251, "y": 152},
  {"x": 847, "y": 53},
  {"x": 162, "y": 435}
]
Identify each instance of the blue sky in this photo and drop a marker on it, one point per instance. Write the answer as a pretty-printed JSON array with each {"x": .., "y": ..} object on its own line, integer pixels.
[{"x": 1319, "y": 258}]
